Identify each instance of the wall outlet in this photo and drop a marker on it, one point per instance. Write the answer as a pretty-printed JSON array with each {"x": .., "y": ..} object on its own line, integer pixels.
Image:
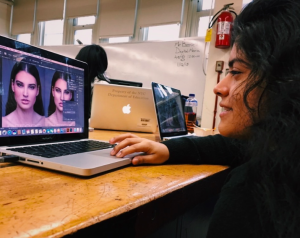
[{"x": 219, "y": 66}]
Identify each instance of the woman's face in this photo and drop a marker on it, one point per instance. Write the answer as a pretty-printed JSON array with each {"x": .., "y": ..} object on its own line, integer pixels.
[
  {"x": 61, "y": 93},
  {"x": 25, "y": 90},
  {"x": 235, "y": 117}
]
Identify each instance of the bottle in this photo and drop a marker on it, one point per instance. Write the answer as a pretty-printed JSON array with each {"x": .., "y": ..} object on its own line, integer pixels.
[{"x": 190, "y": 112}]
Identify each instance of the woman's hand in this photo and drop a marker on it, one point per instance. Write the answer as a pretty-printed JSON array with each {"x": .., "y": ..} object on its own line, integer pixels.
[{"x": 155, "y": 153}]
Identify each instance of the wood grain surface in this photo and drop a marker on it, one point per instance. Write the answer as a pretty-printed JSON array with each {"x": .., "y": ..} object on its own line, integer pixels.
[{"x": 36, "y": 202}]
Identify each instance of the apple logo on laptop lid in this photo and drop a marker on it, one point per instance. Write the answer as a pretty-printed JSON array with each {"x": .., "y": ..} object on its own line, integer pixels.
[{"x": 126, "y": 109}]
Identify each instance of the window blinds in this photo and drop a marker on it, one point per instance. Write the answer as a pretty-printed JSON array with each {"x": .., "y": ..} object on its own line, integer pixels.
[
  {"x": 116, "y": 18},
  {"x": 79, "y": 8},
  {"x": 23, "y": 16},
  {"x": 49, "y": 10},
  {"x": 158, "y": 12}
]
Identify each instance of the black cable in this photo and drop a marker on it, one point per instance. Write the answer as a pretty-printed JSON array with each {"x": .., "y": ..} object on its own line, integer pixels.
[{"x": 9, "y": 158}]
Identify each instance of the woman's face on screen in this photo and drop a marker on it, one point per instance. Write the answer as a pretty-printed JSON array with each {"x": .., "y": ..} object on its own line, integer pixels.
[
  {"x": 25, "y": 90},
  {"x": 61, "y": 93}
]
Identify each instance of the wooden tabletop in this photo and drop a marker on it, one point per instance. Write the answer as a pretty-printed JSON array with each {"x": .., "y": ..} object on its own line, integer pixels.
[{"x": 35, "y": 202}]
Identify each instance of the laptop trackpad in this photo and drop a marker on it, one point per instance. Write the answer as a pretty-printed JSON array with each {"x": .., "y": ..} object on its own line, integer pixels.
[{"x": 107, "y": 153}]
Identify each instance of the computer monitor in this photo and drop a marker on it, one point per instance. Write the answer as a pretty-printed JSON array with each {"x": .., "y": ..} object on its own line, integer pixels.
[{"x": 29, "y": 79}]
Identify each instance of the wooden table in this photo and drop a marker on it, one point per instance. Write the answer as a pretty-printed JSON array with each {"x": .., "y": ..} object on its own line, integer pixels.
[{"x": 36, "y": 202}]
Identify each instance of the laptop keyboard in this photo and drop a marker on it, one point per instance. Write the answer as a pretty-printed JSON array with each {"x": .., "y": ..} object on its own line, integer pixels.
[{"x": 62, "y": 149}]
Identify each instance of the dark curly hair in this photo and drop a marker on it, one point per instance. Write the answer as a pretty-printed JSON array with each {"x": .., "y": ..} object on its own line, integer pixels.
[{"x": 267, "y": 33}]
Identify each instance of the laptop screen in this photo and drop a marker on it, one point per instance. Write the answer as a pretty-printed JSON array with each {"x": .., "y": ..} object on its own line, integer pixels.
[
  {"x": 169, "y": 110},
  {"x": 42, "y": 93}
]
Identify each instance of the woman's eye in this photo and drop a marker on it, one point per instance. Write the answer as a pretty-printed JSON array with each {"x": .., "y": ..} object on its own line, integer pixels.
[
  {"x": 57, "y": 90},
  {"x": 67, "y": 92},
  {"x": 19, "y": 84},
  {"x": 233, "y": 72},
  {"x": 32, "y": 86}
]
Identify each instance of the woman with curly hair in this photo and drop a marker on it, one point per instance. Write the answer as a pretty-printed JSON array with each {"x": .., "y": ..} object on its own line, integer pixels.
[{"x": 259, "y": 127}]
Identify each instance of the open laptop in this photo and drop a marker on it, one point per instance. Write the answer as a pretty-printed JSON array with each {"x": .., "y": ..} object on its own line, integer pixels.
[
  {"x": 36, "y": 143},
  {"x": 126, "y": 82},
  {"x": 125, "y": 108},
  {"x": 169, "y": 111}
]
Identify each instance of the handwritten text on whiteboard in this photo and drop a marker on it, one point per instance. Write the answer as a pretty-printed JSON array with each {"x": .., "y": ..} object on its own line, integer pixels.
[{"x": 184, "y": 52}]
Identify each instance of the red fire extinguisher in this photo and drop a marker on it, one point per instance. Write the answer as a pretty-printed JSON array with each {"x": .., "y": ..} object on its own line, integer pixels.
[{"x": 224, "y": 20}]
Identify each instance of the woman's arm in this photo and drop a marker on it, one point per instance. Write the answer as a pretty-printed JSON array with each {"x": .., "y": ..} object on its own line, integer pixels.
[
  {"x": 215, "y": 149},
  {"x": 187, "y": 150}
]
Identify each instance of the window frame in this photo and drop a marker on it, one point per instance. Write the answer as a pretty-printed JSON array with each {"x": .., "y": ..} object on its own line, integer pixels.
[
  {"x": 145, "y": 31},
  {"x": 82, "y": 27},
  {"x": 41, "y": 32},
  {"x": 204, "y": 13},
  {"x": 76, "y": 27},
  {"x": 17, "y": 36}
]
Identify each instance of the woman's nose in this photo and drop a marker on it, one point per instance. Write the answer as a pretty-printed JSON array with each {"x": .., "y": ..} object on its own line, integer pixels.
[
  {"x": 222, "y": 88},
  {"x": 25, "y": 92}
]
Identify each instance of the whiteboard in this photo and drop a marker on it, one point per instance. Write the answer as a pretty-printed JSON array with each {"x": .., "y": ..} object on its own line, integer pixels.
[{"x": 177, "y": 64}]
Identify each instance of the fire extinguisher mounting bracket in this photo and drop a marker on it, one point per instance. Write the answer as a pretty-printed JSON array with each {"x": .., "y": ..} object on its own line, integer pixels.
[{"x": 226, "y": 6}]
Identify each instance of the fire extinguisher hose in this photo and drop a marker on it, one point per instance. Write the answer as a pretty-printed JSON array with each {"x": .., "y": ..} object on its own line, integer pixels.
[{"x": 215, "y": 17}]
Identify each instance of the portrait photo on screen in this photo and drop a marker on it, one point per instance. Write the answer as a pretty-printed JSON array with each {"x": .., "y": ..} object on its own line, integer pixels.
[
  {"x": 60, "y": 100},
  {"x": 22, "y": 99}
]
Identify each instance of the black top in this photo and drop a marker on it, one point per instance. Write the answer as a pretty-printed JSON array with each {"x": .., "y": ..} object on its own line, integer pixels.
[{"x": 235, "y": 214}]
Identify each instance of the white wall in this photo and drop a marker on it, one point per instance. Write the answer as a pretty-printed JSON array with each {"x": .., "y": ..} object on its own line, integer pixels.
[
  {"x": 4, "y": 19},
  {"x": 211, "y": 76},
  {"x": 172, "y": 63}
]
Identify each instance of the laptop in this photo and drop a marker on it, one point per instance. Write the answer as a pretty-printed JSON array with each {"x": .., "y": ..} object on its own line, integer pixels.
[
  {"x": 169, "y": 111},
  {"x": 39, "y": 138},
  {"x": 124, "y": 108},
  {"x": 126, "y": 82}
]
